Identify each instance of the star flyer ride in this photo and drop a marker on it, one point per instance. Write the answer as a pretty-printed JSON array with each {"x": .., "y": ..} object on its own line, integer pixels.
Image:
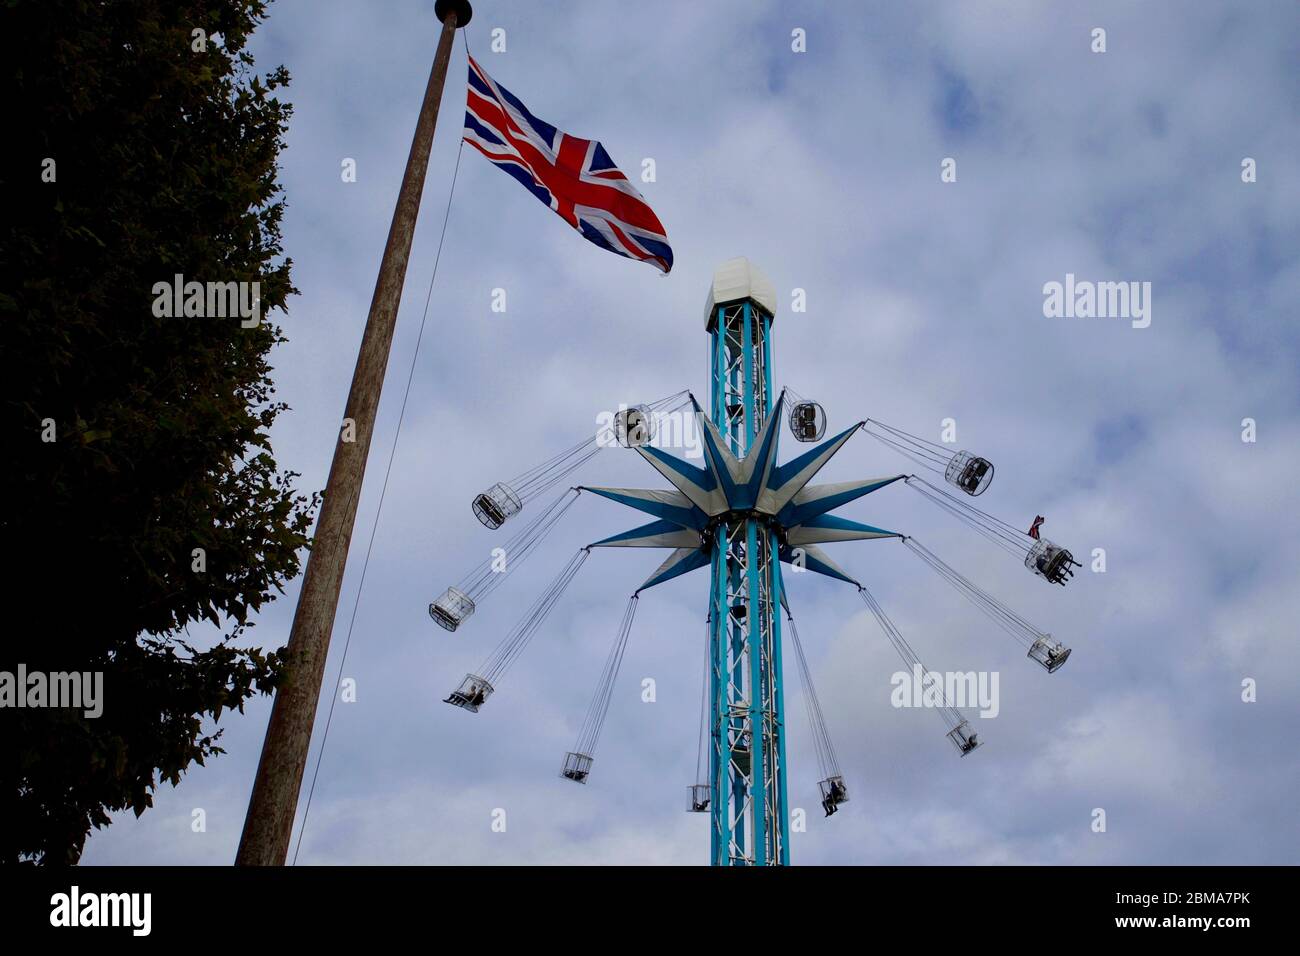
[{"x": 742, "y": 515}]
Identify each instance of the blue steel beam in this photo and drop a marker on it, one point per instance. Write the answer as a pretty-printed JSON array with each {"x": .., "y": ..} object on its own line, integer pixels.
[{"x": 748, "y": 786}]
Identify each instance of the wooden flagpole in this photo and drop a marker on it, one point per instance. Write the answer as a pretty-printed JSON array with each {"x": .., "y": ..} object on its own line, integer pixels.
[{"x": 274, "y": 802}]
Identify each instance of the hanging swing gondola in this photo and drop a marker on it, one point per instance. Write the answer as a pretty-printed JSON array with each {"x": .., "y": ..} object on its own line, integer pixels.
[
  {"x": 577, "y": 767},
  {"x": 634, "y": 427},
  {"x": 472, "y": 693},
  {"x": 452, "y": 608},
  {"x": 497, "y": 505},
  {"x": 833, "y": 789},
  {"x": 807, "y": 418},
  {"x": 959, "y": 729},
  {"x": 701, "y": 794},
  {"x": 577, "y": 762},
  {"x": 834, "y": 792},
  {"x": 700, "y": 798},
  {"x": 807, "y": 421},
  {"x": 963, "y": 469},
  {"x": 1051, "y": 561},
  {"x": 971, "y": 474},
  {"x": 1051, "y": 654},
  {"x": 1044, "y": 558},
  {"x": 964, "y": 739}
]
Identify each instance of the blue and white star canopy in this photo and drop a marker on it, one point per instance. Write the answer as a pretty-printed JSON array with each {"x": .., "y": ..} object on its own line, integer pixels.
[{"x": 797, "y": 511}]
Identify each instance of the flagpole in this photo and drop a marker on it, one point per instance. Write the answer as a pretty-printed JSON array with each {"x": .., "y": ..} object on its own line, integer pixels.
[{"x": 274, "y": 801}]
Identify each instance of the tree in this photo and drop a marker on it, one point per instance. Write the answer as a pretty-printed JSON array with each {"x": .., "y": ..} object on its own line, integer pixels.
[{"x": 140, "y": 492}]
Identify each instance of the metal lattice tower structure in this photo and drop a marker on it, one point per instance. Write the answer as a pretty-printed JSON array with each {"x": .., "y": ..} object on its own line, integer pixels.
[{"x": 747, "y": 767}]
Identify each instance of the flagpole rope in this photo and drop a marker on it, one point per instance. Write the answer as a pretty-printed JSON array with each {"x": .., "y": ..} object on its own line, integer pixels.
[{"x": 392, "y": 454}]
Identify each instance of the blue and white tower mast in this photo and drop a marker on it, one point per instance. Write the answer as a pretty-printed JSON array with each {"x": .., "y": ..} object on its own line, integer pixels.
[{"x": 747, "y": 768}]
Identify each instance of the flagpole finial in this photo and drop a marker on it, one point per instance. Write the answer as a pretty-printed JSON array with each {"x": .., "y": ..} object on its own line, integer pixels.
[{"x": 461, "y": 8}]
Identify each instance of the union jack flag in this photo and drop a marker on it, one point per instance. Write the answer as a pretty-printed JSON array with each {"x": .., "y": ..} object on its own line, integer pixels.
[{"x": 573, "y": 176}]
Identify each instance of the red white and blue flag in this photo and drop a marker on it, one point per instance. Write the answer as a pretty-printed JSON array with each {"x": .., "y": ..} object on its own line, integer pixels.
[{"x": 573, "y": 176}]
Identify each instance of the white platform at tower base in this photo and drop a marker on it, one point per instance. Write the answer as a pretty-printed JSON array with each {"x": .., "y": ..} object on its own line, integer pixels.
[{"x": 735, "y": 281}]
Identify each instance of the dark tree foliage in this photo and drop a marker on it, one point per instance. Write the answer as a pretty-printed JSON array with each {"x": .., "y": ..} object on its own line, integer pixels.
[{"x": 165, "y": 162}]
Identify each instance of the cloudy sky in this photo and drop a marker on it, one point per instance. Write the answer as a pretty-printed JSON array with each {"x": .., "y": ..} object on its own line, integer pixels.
[{"x": 924, "y": 302}]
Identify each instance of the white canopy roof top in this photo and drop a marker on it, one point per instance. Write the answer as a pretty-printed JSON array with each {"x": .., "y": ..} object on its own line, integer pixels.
[{"x": 736, "y": 280}]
